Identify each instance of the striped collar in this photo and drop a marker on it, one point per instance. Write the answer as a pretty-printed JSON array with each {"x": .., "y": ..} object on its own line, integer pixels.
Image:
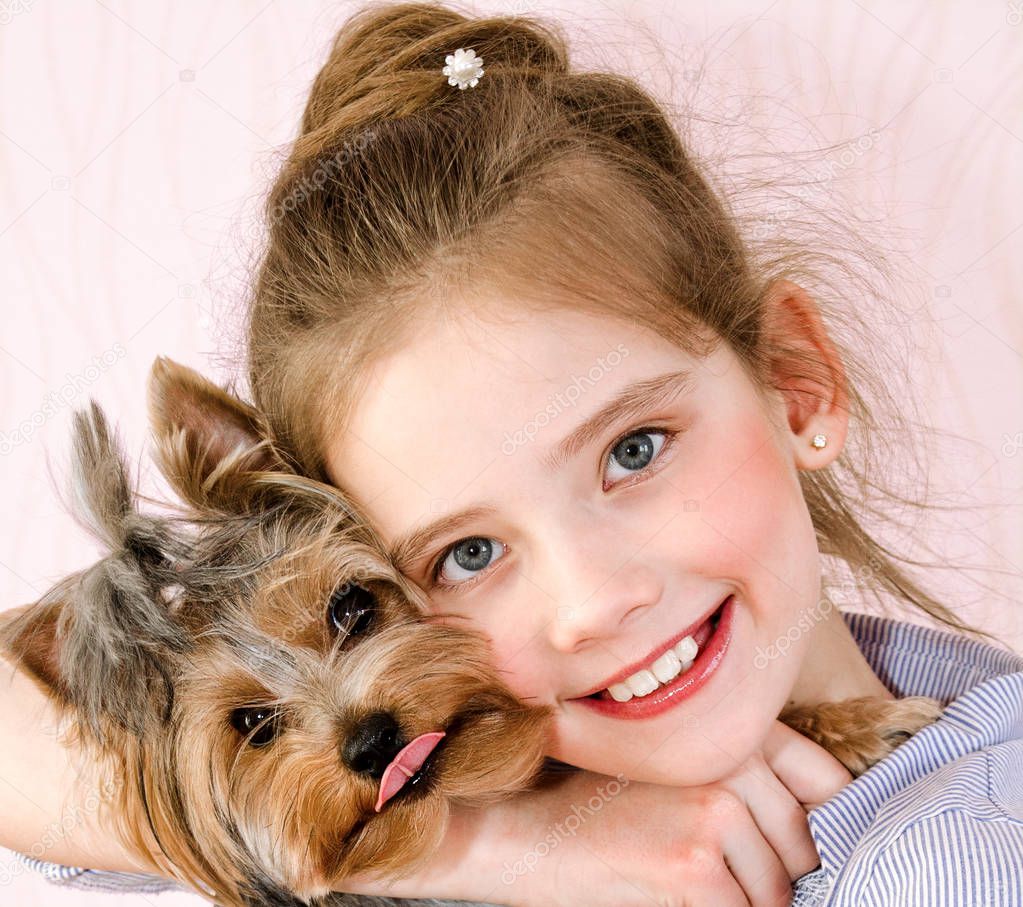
[{"x": 915, "y": 660}]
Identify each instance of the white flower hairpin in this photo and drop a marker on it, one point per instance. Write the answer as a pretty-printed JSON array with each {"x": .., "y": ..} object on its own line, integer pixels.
[{"x": 464, "y": 68}]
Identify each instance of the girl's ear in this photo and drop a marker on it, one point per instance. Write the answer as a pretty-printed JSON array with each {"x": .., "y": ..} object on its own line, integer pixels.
[
  {"x": 808, "y": 372},
  {"x": 209, "y": 443}
]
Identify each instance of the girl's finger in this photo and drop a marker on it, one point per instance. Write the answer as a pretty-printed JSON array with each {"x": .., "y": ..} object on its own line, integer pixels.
[
  {"x": 809, "y": 771},
  {"x": 756, "y": 867},
  {"x": 724, "y": 891},
  {"x": 779, "y": 816}
]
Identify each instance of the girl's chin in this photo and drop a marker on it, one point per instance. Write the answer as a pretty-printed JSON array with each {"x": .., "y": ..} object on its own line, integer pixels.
[
  {"x": 702, "y": 750},
  {"x": 678, "y": 748},
  {"x": 673, "y": 763}
]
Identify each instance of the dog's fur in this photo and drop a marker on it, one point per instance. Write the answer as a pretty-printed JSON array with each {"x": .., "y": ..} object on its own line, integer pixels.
[
  {"x": 224, "y": 605},
  {"x": 862, "y": 731},
  {"x": 153, "y": 650}
]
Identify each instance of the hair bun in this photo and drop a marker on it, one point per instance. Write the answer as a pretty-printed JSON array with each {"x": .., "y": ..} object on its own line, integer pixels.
[{"x": 387, "y": 58}]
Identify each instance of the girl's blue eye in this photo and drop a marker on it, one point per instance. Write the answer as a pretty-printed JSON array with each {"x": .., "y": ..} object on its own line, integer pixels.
[
  {"x": 463, "y": 560},
  {"x": 637, "y": 450},
  {"x": 461, "y": 565}
]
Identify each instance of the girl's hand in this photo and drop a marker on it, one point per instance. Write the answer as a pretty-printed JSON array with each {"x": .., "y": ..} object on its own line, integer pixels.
[
  {"x": 49, "y": 793},
  {"x": 788, "y": 777},
  {"x": 738, "y": 842}
]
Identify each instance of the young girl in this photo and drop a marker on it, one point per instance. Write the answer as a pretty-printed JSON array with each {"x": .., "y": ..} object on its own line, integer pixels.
[{"x": 504, "y": 310}]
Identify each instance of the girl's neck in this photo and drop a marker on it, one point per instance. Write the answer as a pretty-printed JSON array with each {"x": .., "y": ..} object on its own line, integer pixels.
[{"x": 834, "y": 667}]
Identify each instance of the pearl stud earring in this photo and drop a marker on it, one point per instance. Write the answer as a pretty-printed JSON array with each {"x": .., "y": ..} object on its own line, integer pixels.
[{"x": 819, "y": 441}]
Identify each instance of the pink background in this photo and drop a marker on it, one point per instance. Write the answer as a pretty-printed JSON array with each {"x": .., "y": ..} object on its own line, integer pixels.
[{"x": 136, "y": 139}]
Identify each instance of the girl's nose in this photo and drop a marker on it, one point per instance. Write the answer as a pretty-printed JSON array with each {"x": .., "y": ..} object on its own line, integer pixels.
[{"x": 599, "y": 603}]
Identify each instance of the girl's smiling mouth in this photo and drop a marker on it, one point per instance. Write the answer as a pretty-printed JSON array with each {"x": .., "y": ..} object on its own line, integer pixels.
[{"x": 713, "y": 635}]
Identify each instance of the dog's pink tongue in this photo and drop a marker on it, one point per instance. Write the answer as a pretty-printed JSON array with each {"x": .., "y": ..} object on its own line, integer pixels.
[{"x": 405, "y": 765}]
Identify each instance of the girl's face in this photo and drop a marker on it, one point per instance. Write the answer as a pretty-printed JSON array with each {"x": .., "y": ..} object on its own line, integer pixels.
[{"x": 588, "y": 546}]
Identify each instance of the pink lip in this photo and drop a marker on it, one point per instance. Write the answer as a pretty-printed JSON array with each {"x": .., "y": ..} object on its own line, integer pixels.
[
  {"x": 655, "y": 653},
  {"x": 683, "y": 686}
]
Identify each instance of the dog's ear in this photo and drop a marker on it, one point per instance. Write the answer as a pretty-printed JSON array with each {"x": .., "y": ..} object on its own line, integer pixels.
[
  {"x": 28, "y": 637},
  {"x": 103, "y": 639},
  {"x": 209, "y": 443}
]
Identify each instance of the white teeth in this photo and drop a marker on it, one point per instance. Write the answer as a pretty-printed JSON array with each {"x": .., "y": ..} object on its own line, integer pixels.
[
  {"x": 641, "y": 683},
  {"x": 686, "y": 649},
  {"x": 620, "y": 692},
  {"x": 664, "y": 668},
  {"x": 667, "y": 666}
]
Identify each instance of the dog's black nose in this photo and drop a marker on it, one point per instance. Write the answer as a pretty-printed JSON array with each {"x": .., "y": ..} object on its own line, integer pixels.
[{"x": 373, "y": 744}]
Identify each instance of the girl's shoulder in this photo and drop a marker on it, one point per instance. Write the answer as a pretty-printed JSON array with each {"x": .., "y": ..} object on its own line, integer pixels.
[
  {"x": 912, "y": 659},
  {"x": 955, "y": 837},
  {"x": 940, "y": 821}
]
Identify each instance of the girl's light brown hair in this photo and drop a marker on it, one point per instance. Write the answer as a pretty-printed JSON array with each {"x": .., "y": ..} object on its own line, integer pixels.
[{"x": 404, "y": 198}]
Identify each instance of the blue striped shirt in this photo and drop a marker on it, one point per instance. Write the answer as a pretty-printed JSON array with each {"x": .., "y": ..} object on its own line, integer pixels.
[{"x": 939, "y": 823}]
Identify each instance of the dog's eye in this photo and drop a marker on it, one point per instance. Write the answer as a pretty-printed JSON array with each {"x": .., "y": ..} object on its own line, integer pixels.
[
  {"x": 263, "y": 723},
  {"x": 351, "y": 609}
]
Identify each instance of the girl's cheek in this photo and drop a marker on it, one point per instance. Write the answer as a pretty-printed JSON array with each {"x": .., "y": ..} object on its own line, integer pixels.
[
  {"x": 521, "y": 670},
  {"x": 734, "y": 511},
  {"x": 511, "y": 655},
  {"x": 759, "y": 516}
]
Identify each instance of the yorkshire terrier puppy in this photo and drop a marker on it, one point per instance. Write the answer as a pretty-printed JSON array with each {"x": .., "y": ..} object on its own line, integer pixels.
[
  {"x": 273, "y": 709},
  {"x": 261, "y": 685}
]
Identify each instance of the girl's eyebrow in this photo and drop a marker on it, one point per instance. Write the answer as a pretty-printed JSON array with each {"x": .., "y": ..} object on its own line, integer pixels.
[
  {"x": 413, "y": 545},
  {"x": 633, "y": 399}
]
